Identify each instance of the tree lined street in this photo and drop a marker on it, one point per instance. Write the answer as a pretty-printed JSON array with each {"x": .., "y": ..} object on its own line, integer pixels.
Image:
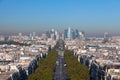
[
  {"x": 60, "y": 65},
  {"x": 60, "y": 69}
]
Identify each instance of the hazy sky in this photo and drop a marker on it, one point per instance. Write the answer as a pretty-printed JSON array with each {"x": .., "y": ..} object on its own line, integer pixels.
[{"x": 40, "y": 15}]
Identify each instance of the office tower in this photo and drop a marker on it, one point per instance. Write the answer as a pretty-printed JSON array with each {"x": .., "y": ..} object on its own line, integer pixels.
[
  {"x": 106, "y": 36},
  {"x": 52, "y": 30},
  {"x": 82, "y": 35},
  {"x": 76, "y": 33},
  {"x": 69, "y": 33},
  {"x": 57, "y": 35},
  {"x": 19, "y": 34},
  {"x": 7, "y": 38},
  {"x": 34, "y": 34},
  {"x": 48, "y": 34},
  {"x": 30, "y": 37},
  {"x": 62, "y": 36},
  {"x": 65, "y": 34},
  {"x": 73, "y": 36},
  {"x": 2, "y": 38},
  {"x": 52, "y": 36}
]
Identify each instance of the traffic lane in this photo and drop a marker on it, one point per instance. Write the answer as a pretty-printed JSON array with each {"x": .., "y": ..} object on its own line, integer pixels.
[
  {"x": 57, "y": 74},
  {"x": 60, "y": 73},
  {"x": 63, "y": 68},
  {"x": 60, "y": 68}
]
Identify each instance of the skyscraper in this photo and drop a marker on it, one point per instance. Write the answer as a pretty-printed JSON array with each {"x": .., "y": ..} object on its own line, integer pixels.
[
  {"x": 30, "y": 37},
  {"x": 76, "y": 33},
  {"x": 82, "y": 35},
  {"x": 65, "y": 34},
  {"x": 69, "y": 33},
  {"x": 106, "y": 36},
  {"x": 34, "y": 34},
  {"x": 19, "y": 34}
]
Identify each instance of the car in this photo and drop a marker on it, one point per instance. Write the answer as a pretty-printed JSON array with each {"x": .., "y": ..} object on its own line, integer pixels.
[
  {"x": 65, "y": 64},
  {"x": 57, "y": 62}
]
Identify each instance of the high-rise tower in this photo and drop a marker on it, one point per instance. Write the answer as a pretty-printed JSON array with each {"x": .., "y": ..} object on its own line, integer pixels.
[{"x": 69, "y": 33}]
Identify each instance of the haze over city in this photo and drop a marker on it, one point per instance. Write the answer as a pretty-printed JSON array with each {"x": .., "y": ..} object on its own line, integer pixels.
[
  {"x": 59, "y": 40},
  {"x": 91, "y": 16}
]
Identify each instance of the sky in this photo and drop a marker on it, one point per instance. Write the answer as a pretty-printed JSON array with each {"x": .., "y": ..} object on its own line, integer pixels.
[{"x": 92, "y": 16}]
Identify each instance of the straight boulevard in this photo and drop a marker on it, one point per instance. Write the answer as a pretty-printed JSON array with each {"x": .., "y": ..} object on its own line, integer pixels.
[{"x": 60, "y": 69}]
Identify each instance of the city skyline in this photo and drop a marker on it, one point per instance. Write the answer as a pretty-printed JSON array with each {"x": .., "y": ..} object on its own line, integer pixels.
[{"x": 37, "y": 16}]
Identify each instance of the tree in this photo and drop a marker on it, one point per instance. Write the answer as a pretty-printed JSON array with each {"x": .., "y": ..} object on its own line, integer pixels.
[
  {"x": 75, "y": 70},
  {"x": 45, "y": 67}
]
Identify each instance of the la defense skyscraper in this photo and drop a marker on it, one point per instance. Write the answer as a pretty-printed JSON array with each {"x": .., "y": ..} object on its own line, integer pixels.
[
  {"x": 71, "y": 33},
  {"x": 67, "y": 33}
]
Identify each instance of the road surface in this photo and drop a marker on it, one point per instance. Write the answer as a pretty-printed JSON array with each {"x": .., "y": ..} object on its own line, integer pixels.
[{"x": 60, "y": 67}]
